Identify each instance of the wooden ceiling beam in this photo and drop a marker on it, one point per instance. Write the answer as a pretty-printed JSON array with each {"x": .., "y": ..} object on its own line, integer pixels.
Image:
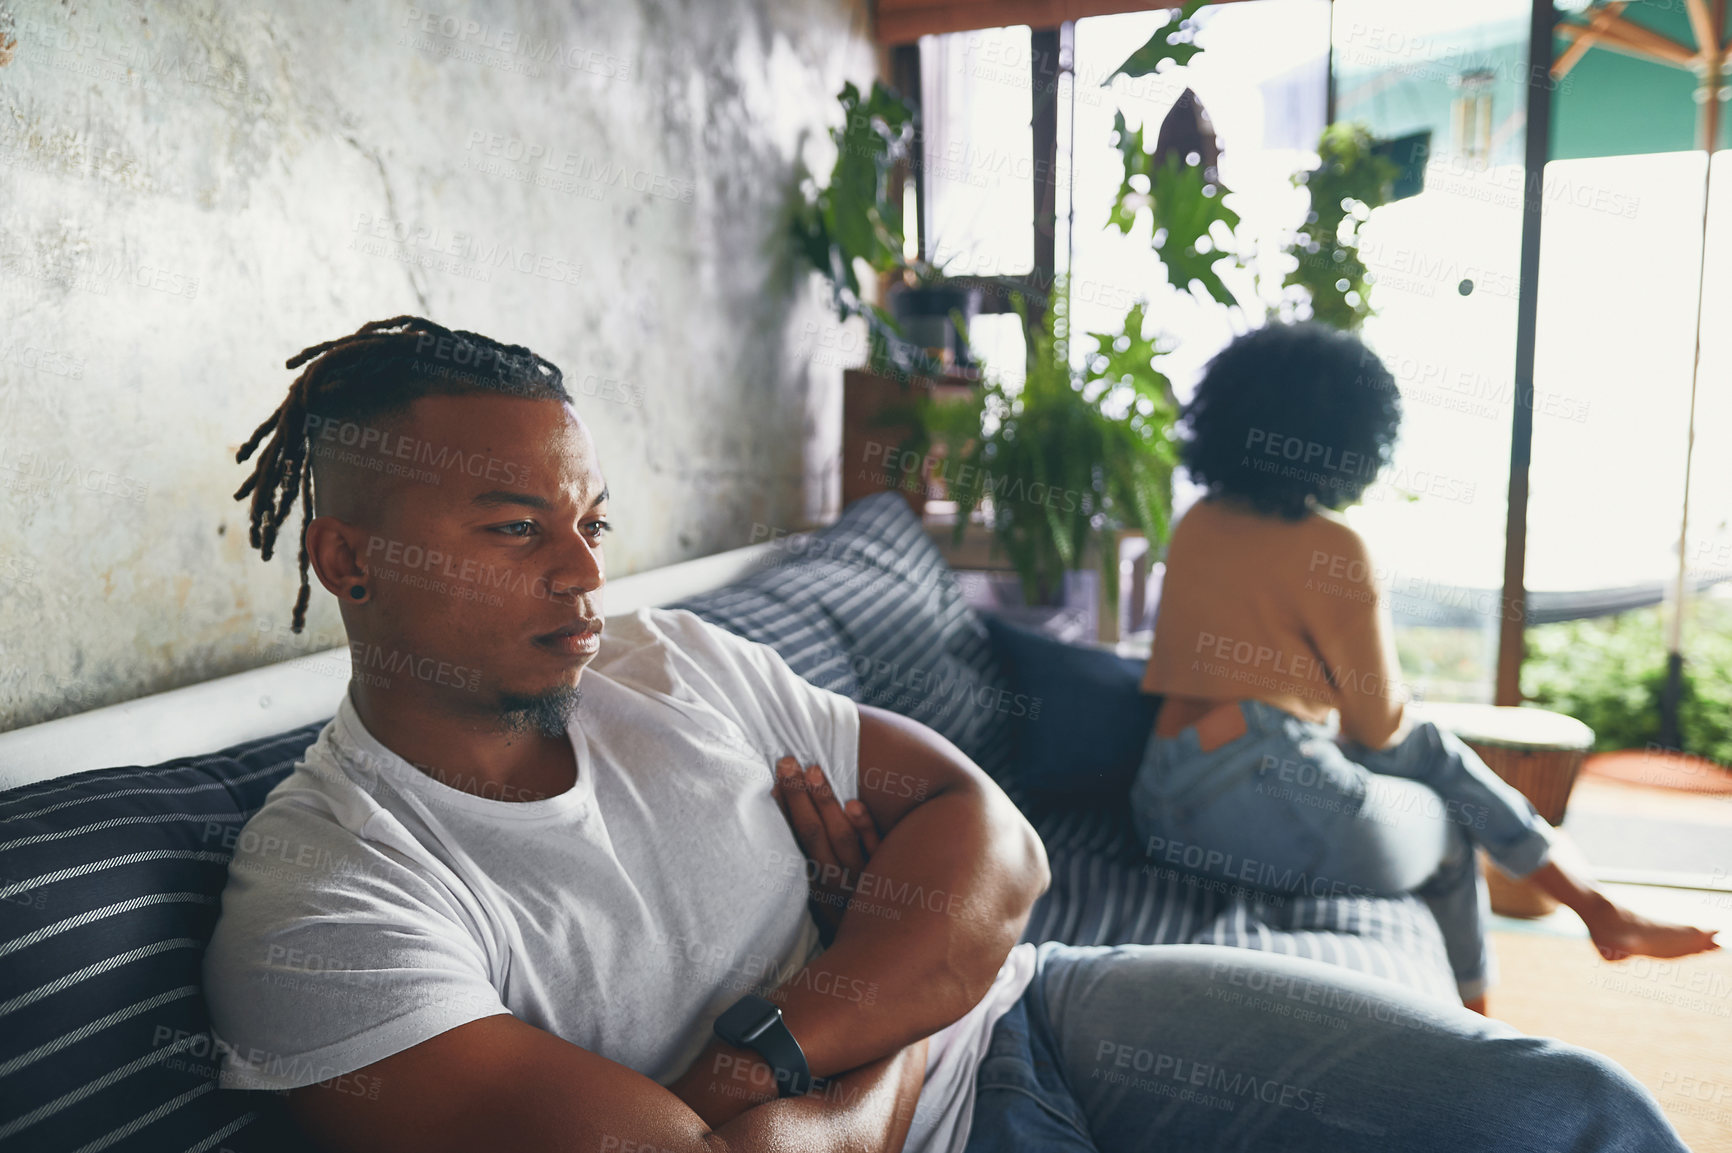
[
  {"x": 904, "y": 21},
  {"x": 1584, "y": 40},
  {"x": 1702, "y": 25},
  {"x": 1618, "y": 30}
]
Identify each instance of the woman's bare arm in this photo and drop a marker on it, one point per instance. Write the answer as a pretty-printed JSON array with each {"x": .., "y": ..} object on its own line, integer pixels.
[{"x": 1353, "y": 632}]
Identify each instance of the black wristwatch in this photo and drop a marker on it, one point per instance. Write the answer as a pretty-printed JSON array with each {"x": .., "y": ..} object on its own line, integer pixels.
[{"x": 755, "y": 1023}]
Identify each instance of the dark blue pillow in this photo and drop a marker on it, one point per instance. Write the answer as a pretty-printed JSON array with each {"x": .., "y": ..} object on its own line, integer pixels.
[{"x": 1085, "y": 722}]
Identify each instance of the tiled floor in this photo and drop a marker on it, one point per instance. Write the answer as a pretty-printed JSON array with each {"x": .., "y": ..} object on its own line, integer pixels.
[
  {"x": 1623, "y": 828},
  {"x": 1668, "y": 1022}
]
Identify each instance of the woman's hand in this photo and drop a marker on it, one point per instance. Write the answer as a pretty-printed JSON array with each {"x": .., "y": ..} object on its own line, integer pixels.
[{"x": 838, "y": 840}]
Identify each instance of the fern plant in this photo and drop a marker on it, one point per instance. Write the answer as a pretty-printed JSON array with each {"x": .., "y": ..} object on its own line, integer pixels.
[{"x": 1065, "y": 458}]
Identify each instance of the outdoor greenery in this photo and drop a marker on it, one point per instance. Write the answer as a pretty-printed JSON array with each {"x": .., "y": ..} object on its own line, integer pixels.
[
  {"x": 1348, "y": 182},
  {"x": 1069, "y": 458},
  {"x": 1446, "y": 663},
  {"x": 1609, "y": 672}
]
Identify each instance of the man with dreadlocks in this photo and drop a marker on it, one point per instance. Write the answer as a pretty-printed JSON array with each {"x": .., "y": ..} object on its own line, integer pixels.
[{"x": 490, "y": 910}]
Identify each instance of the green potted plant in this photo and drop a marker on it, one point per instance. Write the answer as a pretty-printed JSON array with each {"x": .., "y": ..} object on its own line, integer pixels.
[
  {"x": 1067, "y": 459},
  {"x": 856, "y": 219},
  {"x": 852, "y": 225},
  {"x": 1099, "y": 438}
]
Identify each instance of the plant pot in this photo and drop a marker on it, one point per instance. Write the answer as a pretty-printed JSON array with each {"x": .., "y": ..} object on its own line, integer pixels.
[{"x": 923, "y": 315}]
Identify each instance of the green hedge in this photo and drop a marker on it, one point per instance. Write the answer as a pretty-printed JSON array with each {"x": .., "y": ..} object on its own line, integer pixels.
[{"x": 1609, "y": 673}]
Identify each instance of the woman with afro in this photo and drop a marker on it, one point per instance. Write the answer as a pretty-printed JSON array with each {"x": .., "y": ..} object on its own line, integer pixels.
[{"x": 1282, "y": 758}]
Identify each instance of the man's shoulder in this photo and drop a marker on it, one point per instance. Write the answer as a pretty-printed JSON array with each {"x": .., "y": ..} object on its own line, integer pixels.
[
  {"x": 320, "y": 793},
  {"x": 306, "y": 840},
  {"x": 675, "y": 654},
  {"x": 321, "y": 833},
  {"x": 656, "y": 638},
  {"x": 645, "y": 625}
]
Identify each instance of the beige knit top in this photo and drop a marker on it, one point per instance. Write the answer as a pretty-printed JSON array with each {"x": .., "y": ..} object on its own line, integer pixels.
[{"x": 1287, "y": 612}]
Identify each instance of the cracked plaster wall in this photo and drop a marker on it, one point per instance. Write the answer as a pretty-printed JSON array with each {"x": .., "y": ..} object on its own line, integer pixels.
[{"x": 192, "y": 192}]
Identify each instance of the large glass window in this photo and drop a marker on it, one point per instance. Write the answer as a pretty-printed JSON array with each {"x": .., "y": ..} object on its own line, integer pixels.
[
  {"x": 976, "y": 105},
  {"x": 1445, "y": 270},
  {"x": 1617, "y": 306},
  {"x": 978, "y": 149}
]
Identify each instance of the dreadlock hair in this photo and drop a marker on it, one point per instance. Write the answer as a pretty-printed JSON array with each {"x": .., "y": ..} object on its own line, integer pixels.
[{"x": 372, "y": 375}]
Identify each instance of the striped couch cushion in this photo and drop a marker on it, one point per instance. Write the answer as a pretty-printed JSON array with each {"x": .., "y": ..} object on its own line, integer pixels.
[
  {"x": 108, "y": 898},
  {"x": 1104, "y": 892},
  {"x": 867, "y": 607}
]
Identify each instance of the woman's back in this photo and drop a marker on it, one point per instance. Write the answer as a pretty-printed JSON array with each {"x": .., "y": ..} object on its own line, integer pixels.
[{"x": 1282, "y": 611}]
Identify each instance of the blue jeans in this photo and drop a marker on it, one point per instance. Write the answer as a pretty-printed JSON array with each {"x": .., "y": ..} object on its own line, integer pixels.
[
  {"x": 1286, "y": 809},
  {"x": 1205, "y": 1047}
]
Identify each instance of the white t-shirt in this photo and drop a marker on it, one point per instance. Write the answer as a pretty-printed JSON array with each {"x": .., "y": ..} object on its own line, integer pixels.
[{"x": 370, "y": 906}]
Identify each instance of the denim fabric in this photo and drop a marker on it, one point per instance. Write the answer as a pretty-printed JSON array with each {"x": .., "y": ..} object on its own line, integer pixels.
[
  {"x": 1022, "y": 1100},
  {"x": 1284, "y": 808},
  {"x": 1115, "y": 1048}
]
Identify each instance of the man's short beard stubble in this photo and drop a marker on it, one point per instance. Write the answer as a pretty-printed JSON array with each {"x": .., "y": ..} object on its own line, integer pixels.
[{"x": 548, "y": 713}]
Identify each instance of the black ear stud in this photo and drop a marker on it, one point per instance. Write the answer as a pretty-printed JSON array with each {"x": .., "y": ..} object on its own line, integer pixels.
[{"x": 357, "y": 591}]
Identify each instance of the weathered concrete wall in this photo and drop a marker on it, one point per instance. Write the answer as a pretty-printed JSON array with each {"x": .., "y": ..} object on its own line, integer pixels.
[{"x": 192, "y": 192}]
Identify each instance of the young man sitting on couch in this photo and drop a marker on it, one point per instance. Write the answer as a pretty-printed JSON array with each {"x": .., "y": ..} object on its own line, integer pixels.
[{"x": 534, "y": 889}]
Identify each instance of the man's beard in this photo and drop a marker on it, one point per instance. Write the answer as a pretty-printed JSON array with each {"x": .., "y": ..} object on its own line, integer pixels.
[{"x": 548, "y": 713}]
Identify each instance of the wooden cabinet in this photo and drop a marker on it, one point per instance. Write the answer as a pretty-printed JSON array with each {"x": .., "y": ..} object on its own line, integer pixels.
[{"x": 877, "y": 418}]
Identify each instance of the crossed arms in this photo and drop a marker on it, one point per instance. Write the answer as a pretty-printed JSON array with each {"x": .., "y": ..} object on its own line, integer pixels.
[{"x": 947, "y": 895}]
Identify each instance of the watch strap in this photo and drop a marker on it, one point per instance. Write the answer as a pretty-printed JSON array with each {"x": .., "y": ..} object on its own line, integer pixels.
[{"x": 772, "y": 1040}]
